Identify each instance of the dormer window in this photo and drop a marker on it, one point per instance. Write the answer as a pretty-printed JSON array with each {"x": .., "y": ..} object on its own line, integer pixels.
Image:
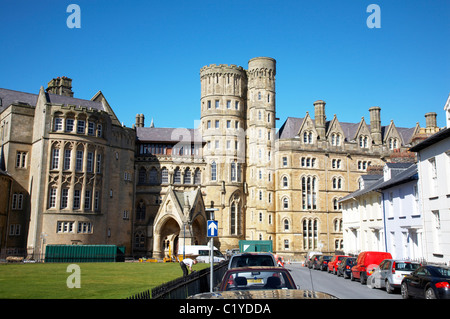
[
  {"x": 364, "y": 141},
  {"x": 335, "y": 139},
  {"x": 308, "y": 137},
  {"x": 393, "y": 143}
]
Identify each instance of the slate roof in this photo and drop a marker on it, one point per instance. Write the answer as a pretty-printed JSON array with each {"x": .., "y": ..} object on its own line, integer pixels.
[
  {"x": 400, "y": 173},
  {"x": 167, "y": 134},
  {"x": 292, "y": 125},
  {"x": 9, "y": 97}
]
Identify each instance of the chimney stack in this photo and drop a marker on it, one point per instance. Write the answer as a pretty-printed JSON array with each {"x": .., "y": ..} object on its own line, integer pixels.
[
  {"x": 431, "y": 123},
  {"x": 320, "y": 118},
  {"x": 139, "y": 120},
  {"x": 60, "y": 86},
  {"x": 375, "y": 124}
]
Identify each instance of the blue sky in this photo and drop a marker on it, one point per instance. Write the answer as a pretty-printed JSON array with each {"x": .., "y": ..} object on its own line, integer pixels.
[{"x": 145, "y": 56}]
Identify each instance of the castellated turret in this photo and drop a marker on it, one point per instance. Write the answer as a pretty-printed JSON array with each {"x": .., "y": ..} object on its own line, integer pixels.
[
  {"x": 223, "y": 115},
  {"x": 260, "y": 137}
]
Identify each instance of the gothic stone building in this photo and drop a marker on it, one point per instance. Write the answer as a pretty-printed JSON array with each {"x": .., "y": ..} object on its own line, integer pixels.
[{"x": 80, "y": 177}]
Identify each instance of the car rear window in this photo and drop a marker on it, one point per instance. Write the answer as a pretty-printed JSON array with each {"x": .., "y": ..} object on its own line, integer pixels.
[
  {"x": 252, "y": 260},
  {"x": 406, "y": 266},
  {"x": 445, "y": 272}
]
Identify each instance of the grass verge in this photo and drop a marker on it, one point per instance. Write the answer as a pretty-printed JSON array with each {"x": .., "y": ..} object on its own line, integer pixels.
[{"x": 98, "y": 280}]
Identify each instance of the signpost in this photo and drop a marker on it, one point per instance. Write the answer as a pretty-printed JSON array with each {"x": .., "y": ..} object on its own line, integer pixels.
[{"x": 212, "y": 230}]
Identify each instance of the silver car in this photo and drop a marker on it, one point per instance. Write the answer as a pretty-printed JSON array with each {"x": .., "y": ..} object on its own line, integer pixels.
[{"x": 389, "y": 274}]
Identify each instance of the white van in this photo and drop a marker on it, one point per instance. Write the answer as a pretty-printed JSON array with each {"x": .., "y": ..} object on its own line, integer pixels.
[{"x": 200, "y": 253}]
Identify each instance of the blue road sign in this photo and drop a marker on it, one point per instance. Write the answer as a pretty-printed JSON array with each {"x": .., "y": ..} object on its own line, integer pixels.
[{"x": 212, "y": 228}]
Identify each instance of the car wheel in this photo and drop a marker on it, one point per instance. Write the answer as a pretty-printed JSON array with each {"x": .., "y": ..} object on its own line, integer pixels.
[
  {"x": 363, "y": 279},
  {"x": 389, "y": 288},
  {"x": 404, "y": 290},
  {"x": 429, "y": 293},
  {"x": 352, "y": 278},
  {"x": 371, "y": 282}
]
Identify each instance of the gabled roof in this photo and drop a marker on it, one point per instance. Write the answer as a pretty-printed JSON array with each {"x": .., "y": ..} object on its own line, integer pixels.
[
  {"x": 292, "y": 126},
  {"x": 9, "y": 97}
]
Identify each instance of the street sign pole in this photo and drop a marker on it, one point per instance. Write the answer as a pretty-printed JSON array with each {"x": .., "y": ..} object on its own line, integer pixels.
[{"x": 212, "y": 229}]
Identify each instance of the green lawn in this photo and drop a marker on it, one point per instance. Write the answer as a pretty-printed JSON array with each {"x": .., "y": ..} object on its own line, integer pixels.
[{"x": 98, "y": 280}]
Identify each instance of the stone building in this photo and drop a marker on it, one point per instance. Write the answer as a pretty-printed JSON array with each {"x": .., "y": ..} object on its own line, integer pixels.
[
  {"x": 72, "y": 165},
  {"x": 274, "y": 185},
  {"x": 80, "y": 177}
]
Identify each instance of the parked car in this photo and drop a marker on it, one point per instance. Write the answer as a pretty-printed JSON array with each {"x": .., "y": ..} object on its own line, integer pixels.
[
  {"x": 252, "y": 259},
  {"x": 255, "y": 278},
  {"x": 345, "y": 267},
  {"x": 430, "y": 282},
  {"x": 390, "y": 273},
  {"x": 365, "y": 264},
  {"x": 334, "y": 263},
  {"x": 314, "y": 259},
  {"x": 322, "y": 262},
  {"x": 308, "y": 257}
]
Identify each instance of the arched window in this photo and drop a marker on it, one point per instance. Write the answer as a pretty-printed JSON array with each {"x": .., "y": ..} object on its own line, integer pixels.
[
  {"x": 309, "y": 192},
  {"x": 140, "y": 211},
  {"x": 310, "y": 234},
  {"x": 164, "y": 175},
  {"x": 235, "y": 171},
  {"x": 187, "y": 176},
  {"x": 363, "y": 141},
  {"x": 286, "y": 225},
  {"x": 337, "y": 182},
  {"x": 285, "y": 202},
  {"x": 153, "y": 176},
  {"x": 213, "y": 171},
  {"x": 142, "y": 176},
  {"x": 285, "y": 181},
  {"x": 177, "y": 176},
  {"x": 235, "y": 215},
  {"x": 197, "y": 177},
  {"x": 308, "y": 137},
  {"x": 139, "y": 240}
]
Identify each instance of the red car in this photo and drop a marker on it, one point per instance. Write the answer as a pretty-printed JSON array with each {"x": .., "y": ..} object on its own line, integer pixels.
[
  {"x": 334, "y": 263},
  {"x": 366, "y": 263}
]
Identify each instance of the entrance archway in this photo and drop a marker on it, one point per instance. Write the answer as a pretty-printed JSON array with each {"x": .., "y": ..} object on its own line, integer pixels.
[{"x": 166, "y": 238}]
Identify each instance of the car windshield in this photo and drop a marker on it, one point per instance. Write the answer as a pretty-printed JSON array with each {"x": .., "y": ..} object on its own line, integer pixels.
[
  {"x": 406, "y": 266},
  {"x": 258, "y": 279},
  {"x": 251, "y": 260}
]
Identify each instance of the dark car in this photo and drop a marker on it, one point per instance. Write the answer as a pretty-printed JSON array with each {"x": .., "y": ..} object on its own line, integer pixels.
[
  {"x": 322, "y": 262},
  {"x": 334, "y": 263},
  {"x": 430, "y": 282},
  {"x": 345, "y": 267},
  {"x": 256, "y": 278},
  {"x": 252, "y": 259},
  {"x": 314, "y": 259}
]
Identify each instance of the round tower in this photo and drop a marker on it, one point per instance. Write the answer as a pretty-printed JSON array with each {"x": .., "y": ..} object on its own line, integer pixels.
[
  {"x": 223, "y": 114},
  {"x": 260, "y": 174}
]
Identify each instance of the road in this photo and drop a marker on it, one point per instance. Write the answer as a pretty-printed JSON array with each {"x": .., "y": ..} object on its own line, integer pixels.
[{"x": 336, "y": 286}]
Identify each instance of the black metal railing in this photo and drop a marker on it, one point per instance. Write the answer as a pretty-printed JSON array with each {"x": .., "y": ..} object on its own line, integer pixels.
[{"x": 182, "y": 287}]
